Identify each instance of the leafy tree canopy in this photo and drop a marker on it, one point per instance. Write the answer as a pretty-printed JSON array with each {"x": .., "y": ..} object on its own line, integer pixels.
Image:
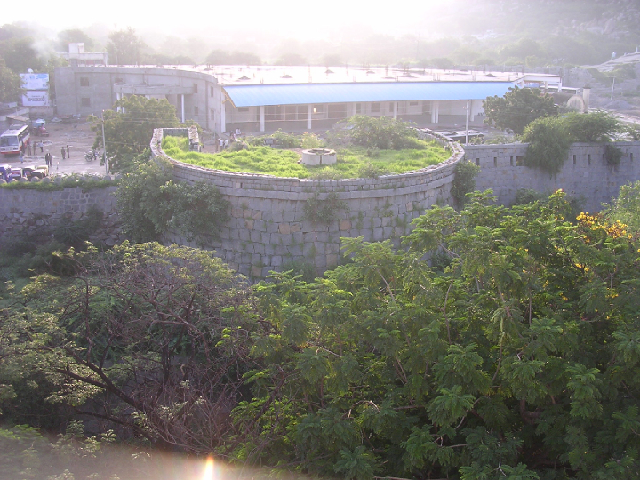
[
  {"x": 379, "y": 132},
  {"x": 125, "y": 47},
  {"x": 9, "y": 84},
  {"x": 129, "y": 128},
  {"x": 518, "y": 108}
]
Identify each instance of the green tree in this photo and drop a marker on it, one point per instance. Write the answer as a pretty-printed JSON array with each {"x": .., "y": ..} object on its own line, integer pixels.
[
  {"x": 598, "y": 126},
  {"x": 518, "y": 108},
  {"x": 19, "y": 54},
  {"x": 497, "y": 366},
  {"x": 125, "y": 47},
  {"x": 150, "y": 338},
  {"x": 74, "y": 35},
  {"x": 380, "y": 132},
  {"x": 152, "y": 204},
  {"x": 9, "y": 84},
  {"x": 129, "y": 128},
  {"x": 549, "y": 143}
]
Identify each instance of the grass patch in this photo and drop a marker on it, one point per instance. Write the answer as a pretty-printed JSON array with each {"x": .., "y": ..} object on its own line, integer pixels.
[{"x": 353, "y": 162}]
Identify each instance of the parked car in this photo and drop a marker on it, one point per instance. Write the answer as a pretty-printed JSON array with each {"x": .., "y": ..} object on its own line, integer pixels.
[
  {"x": 5, "y": 172},
  {"x": 32, "y": 171}
]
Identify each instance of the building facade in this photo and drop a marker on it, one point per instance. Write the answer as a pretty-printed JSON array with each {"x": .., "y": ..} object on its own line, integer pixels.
[{"x": 264, "y": 99}]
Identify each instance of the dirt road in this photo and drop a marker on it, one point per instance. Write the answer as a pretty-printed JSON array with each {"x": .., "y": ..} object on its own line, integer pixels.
[{"x": 78, "y": 137}]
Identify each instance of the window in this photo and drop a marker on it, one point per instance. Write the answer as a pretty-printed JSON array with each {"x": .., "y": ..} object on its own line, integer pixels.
[
  {"x": 392, "y": 106},
  {"x": 318, "y": 109},
  {"x": 119, "y": 80},
  {"x": 375, "y": 107},
  {"x": 195, "y": 110},
  {"x": 84, "y": 81},
  {"x": 195, "y": 88},
  {"x": 477, "y": 161},
  {"x": 631, "y": 157},
  {"x": 589, "y": 159},
  {"x": 358, "y": 108},
  {"x": 574, "y": 160},
  {"x": 211, "y": 90},
  {"x": 243, "y": 109},
  {"x": 511, "y": 160},
  {"x": 495, "y": 161},
  {"x": 85, "y": 102},
  {"x": 519, "y": 161},
  {"x": 413, "y": 104}
]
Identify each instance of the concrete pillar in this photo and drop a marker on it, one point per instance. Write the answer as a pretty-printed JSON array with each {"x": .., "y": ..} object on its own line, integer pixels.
[
  {"x": 434, "y": 111},
  {"x": 182, "y": 108},
  {"x": 223, "y": 117},
  {"x": 309, "y": 112},
  {"x": 262, "y": 119}
]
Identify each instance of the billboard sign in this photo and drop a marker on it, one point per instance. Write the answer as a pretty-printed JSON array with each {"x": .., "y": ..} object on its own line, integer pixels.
[
  {"x": 35, "y": 99},
  {"x": 34, "y": 81}
]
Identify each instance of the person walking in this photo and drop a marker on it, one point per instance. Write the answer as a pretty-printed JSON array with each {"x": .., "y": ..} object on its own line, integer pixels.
[
  {"x": 29, "y": 148},
  {"x": 63, "y": 152},
  {"x": 41, "y": 145},
  {"x": 68, "y": 153}
]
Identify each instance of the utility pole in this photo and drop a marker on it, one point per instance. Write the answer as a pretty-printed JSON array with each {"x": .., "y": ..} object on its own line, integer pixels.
[
  {"x": 104, "y": 144},
  {"x": 466, "y": 141}
]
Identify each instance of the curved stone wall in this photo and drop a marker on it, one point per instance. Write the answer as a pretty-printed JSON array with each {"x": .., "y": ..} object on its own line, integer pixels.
[{"x": 269, "y": 228}]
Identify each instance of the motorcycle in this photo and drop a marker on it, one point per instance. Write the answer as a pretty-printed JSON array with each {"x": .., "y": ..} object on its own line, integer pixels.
[{"x": 90, "y": 156}]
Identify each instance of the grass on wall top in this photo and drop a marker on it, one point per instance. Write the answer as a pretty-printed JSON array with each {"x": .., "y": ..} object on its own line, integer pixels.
[{"x": 352, "y": 162}]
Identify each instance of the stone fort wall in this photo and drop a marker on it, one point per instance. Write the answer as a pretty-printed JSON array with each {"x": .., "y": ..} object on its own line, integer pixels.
[
  {"x": 34, "y": 213},
  {"x": 585, "y": 173},
  {"x": 268, "y": 226}
]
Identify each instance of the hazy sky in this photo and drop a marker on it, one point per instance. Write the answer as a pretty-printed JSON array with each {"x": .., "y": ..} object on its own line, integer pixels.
[{"x": 285, "y": 18}]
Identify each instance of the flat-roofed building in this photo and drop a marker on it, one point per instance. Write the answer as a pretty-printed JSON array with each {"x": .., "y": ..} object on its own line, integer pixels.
[{"x": 266, "y": 98}]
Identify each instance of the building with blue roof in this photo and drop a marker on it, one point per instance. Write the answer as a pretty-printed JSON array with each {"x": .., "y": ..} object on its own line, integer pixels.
[{"x": 265, "y": 98}]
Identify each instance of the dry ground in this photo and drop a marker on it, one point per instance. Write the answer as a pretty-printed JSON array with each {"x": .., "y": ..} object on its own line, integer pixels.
[{"x": 78, "y": 137}]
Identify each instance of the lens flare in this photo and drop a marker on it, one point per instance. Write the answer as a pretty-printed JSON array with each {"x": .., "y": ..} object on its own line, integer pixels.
[{"x": 211, "y": 472}]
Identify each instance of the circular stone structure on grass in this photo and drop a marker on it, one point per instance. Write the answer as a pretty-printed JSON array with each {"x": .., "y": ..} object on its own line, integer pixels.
[{"x": 318, "y": 156}]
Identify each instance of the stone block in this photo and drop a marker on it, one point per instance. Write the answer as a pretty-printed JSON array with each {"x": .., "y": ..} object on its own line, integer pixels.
[
  {"x": 345, "y": 225},
  {"x": 284, "y": 228}
]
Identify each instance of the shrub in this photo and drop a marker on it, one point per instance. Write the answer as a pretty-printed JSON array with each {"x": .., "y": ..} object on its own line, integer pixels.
[
  {"x": 549, "y": 144},
  {"x": 286, "y": 140},
  {"x": 464, "y": 181},
  {"x": 151, "y": 204},
  {"x": 612, "y": 154},
  {"x": 371, "y": 171},
  {"x": 323, "y": 210},
  {"x": 310, "y": 140},
  {"x": 381, "y": 132}
]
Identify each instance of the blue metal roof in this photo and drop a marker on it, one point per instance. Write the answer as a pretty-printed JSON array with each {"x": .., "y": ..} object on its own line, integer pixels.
[{"x": 256, "y": 95}]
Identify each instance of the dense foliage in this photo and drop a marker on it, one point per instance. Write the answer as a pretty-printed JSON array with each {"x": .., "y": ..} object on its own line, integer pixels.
[
  {"x": 499, "y": 343},
  {"x": 149, "y": 338},
  {"x": 152, "y": 204},
  {"x": 549, "y": 138},
  {"x": 384, "y": 133},
  {"x": 516, "y": 361},
  {"x": 518, "y": 108}
]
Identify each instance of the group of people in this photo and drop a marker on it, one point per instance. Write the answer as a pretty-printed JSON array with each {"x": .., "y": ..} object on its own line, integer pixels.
[
  {"x": 28, "y": 149},
  {"x": 223, "y": 143}
]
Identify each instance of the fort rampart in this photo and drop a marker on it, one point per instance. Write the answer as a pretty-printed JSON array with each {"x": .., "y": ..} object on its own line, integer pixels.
[{"x": 276, "y": 221}]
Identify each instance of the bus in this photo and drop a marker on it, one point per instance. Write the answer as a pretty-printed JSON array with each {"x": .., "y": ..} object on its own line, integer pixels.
[{"x": 12, "y": 139}]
